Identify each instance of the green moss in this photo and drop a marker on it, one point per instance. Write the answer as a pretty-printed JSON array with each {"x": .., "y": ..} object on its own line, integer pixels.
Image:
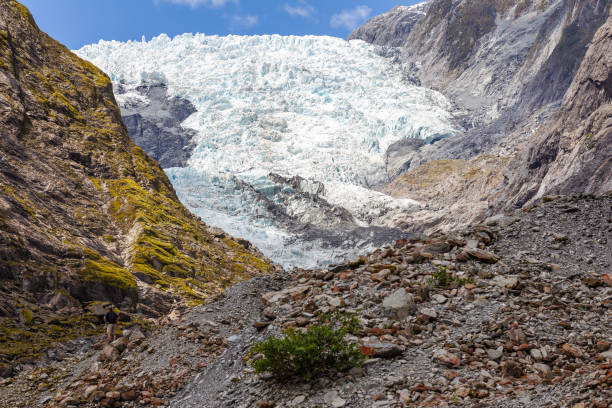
[
  {"x": 28, "y": 344},
  {"x": 95, "y": 74},
  {"x": 61, "y": 103},
  {"x": 27, "y": 316},
  {"x": 25, "y": 13},
  {"x": 24, "y": 202},
  {"x": 100, "y": 269},
  {"x": 243, "y": 256},
  {"x": 96, "y": 183}
]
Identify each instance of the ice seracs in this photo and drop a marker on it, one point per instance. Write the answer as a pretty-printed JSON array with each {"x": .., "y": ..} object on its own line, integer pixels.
[{"x": 320, "y": 108}]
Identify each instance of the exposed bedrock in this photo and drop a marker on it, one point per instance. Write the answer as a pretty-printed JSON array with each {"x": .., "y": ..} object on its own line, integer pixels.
[{"x": 154, "y": 124}]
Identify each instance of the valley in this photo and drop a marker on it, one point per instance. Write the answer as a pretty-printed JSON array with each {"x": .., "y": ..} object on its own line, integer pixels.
[{"x": 433, "y": 194}]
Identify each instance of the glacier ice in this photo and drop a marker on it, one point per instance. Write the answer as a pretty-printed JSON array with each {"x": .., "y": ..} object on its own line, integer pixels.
[{"x": 320, "y": 108}]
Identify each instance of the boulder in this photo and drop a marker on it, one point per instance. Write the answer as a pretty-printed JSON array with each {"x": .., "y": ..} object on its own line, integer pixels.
[
  {"x": 446, "y": 358},
  {"x": 293, "y": 293},
  {"x": 97, "y": 308},
  {"x": 61, "y": 299},
  {"x": 399, "y": 305},
  {"x": 110, "y": 353},
  {"x": 382, "y": 350},
  {"x": 136, "y": 334},
  {"x": 120, "y": 344},
  {"x": 332, "y": 399}
]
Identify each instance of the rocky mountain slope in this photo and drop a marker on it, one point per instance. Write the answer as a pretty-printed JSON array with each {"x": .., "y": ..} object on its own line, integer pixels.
[
  {"x": 512, "y": 312},
  {"x": 529, "y": 82},
  {"x": 573, "y": 152},
  {"x": 392, "y": 28},
  {"x": 86, "y": 215}
]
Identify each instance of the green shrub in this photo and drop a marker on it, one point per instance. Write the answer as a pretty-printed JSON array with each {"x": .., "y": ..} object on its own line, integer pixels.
[
  {"x": 307, "y": 353},
  {"x": 442, "y": 279},
  {"x": 347, "y": 321}
]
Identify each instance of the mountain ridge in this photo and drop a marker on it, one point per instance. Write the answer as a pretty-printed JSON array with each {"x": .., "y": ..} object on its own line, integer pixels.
[{"x": 85, "y": 214}]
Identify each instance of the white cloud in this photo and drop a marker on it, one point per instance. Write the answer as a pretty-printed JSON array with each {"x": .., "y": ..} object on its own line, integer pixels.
[
  {"x": 350, "y": 19},
  {"x": 198, "y": 3},
  {"x": 244, "y": 21},
  {"x": 303, "y": 9}
]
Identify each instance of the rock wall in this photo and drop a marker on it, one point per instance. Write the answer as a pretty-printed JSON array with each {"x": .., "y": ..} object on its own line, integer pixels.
[
  {"x": 573, "y": 153},
  {"x": 155, "y": 125},
  {"x": 392, "y": 28}
]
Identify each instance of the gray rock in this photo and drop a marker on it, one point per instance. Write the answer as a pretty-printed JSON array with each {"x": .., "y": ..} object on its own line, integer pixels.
[
  {"x": 156, "y": 126},
  {"x": 495, "y": 354},
  {"x": 332, "y": 399},
  {"x": 439, "y": 298},
  {"x": 392, "y": 28},
  {"x": 110, "y": 353},
  {"x": 399, "y": 304},
  {"x": 382, "y": 350},
  {"x": 607, "y": 355}
]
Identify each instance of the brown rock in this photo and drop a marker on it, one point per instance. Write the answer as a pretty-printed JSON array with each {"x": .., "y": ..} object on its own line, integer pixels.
[
  {"x": 543, "y": 370},
  {"x": 447, "y": 358},
  {"x": 481, "y": 255},
  {"x": 120, "y": 344},
  {"x": 130, "y": 395},
  {"x": 602, "y": 345},
  {"x": 110, "y": 353},
  {"x": 383, "y": 350},
  {"x": 571, "y": 350},
  {"x": 512, "y": 369},
  {"x": 113, "y": 395},
  {"x": 98, "y": 395},
  {"x": 293, "y": 293}
]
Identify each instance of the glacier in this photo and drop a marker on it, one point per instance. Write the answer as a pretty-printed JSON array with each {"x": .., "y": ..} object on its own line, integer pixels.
[{"x": 290, "y": 134}]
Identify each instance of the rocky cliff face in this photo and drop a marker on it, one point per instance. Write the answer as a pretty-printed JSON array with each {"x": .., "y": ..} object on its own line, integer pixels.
[
  {"x": 86, "y": 215},
  {"x": 573, "y": 153},
  {"x": 532, "y": 99},
  {"x": 393, "y": 28}
]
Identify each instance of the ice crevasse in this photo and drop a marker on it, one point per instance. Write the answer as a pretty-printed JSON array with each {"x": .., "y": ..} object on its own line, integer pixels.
[{"x": 320, "y": 108}]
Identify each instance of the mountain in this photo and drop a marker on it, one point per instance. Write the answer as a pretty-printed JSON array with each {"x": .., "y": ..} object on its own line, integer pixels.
[
  {"x": 85, "y": 214},
  {"x": 290, "y": 134},
  {"x": 572, "y": 154},
  {"x": 392, "y": 28},
  {"x": 515, "y": 71}
]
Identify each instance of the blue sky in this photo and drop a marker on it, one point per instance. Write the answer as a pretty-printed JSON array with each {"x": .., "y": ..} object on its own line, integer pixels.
[{"x": 79, "y": 22}]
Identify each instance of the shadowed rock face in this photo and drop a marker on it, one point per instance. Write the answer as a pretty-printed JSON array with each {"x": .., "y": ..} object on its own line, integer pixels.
[
  {"x": 155, "y": 125},
  {"x": 573, "y": 153}
]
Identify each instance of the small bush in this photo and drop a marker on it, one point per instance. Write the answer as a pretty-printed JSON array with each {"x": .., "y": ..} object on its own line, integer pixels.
[
  {"x": 347, "y": 321},
  {"x": 442, "y": 279},
  {"x": 306, "y": 354}
]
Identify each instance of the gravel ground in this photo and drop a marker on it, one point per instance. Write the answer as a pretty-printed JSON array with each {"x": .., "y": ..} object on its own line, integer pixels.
[{"x": 526, "y": 322}]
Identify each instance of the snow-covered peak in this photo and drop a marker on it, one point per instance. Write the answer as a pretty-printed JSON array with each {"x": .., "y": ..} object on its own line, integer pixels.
[{"x": 420, "y": 8}]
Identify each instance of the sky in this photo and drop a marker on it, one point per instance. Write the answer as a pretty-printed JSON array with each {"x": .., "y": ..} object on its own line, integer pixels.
[{"x": 79, "y": 22}]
